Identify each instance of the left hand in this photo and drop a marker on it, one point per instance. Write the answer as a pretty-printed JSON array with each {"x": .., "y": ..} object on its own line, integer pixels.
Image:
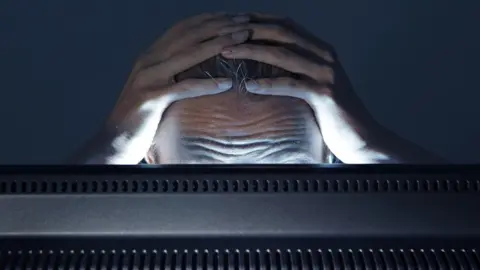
[{"x": 346, "y": 125}]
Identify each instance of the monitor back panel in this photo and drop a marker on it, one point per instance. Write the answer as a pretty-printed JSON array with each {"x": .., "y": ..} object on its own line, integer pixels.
[{"x": 249, "y": 218}]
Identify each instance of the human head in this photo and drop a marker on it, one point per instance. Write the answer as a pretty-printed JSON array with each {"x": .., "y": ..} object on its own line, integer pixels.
[
  {"x": 240, "y": 71},
  {"x": 178, "y": 116}
]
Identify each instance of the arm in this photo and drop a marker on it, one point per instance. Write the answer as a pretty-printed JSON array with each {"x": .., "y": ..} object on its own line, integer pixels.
[
  {"x": 366, "y": 142},
  {"x": 150, "y": 89},
  {"x": 119, "y": 143},
  {"x": 399, "y": 150},
  {"x": 98, "y": 150},
  {"x": 348, "y": 130}
]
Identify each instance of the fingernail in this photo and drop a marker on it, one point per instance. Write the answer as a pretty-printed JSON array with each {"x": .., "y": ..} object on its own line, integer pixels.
[
  {"x": 224, "y": 84},
  {"x": 252, "y": 85},
  {"x": 240, "y": 36},
  {"x": 241, "y": 19}
]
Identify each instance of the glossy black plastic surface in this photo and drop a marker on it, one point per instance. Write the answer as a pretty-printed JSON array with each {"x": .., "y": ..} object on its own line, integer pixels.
[{"x": 228, "y": 217}]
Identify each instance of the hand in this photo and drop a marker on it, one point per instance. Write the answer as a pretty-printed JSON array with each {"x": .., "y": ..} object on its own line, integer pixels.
[
  {"x": 344, "y": 122},
  {"x": 150, "y": 88}
]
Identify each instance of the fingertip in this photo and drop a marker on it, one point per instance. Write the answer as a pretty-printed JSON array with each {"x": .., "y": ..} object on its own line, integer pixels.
[
  {"x": 255, "y": 86},
  {"x": 224, "y": 84},
  {"x": 252, "y": 86}
]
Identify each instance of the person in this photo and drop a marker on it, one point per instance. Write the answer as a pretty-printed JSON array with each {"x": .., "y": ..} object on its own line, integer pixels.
[{"x": 222, "y": 88}]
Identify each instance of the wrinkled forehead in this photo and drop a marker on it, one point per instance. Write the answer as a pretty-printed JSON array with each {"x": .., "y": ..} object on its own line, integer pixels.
[
  {"x": 234, "y": 102},
  {"x": 231, "y": 121}
]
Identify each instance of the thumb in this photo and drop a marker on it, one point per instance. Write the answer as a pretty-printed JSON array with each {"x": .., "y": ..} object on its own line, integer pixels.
[
  {"x": 191, "y": 88},
  {"x": 283, "y": 86}
]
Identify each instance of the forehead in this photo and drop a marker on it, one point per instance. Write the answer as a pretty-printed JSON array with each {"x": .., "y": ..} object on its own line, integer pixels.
[
  {"x": 202, "y": 150},
  {"x": 226, "y": 128}
]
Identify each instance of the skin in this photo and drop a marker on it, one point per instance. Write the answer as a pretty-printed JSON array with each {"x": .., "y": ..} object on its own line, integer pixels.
[
  {"x": 206, "y": 121},
  {"x": 232, "y": 127}
]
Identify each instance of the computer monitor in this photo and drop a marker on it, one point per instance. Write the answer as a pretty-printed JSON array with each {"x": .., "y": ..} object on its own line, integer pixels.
[{"x": 240, "y": 217}]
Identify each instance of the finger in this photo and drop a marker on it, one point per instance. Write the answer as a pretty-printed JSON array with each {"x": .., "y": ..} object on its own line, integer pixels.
[
  {"x": 283, "y": 58},
  {"x": 190, "y": 26},
  {"x": 188, "y": 58},
  {"x": 286, "y": 86},
  {"x": 174, "y": 31},
  {"x": 208, "y": 30},
  {"x": 272, "y": 27},
  {"x": 278, "y": 33},
  {"x": 214, "y": 27},
  {"x": 191, "y": 88}
]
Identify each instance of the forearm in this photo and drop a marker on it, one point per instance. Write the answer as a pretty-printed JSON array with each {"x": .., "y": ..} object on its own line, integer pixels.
[
  {"x": 396, "y": 149},
  {"x": 98, "y": 150},
  {"x": 116, "y": 144},
  {"x": 110, "y": 147},
  {"x": 365, "y": 141},
  {"x": 382, "y": 146}
]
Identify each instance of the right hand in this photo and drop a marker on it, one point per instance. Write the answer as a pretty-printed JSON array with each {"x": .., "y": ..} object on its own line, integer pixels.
[{"x": 150, "y": 88}]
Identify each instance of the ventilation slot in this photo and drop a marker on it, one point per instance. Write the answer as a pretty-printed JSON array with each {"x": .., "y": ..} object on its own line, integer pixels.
[
  {"x": 236, "y": 259},
  {"x": 98, "y": 185}
]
